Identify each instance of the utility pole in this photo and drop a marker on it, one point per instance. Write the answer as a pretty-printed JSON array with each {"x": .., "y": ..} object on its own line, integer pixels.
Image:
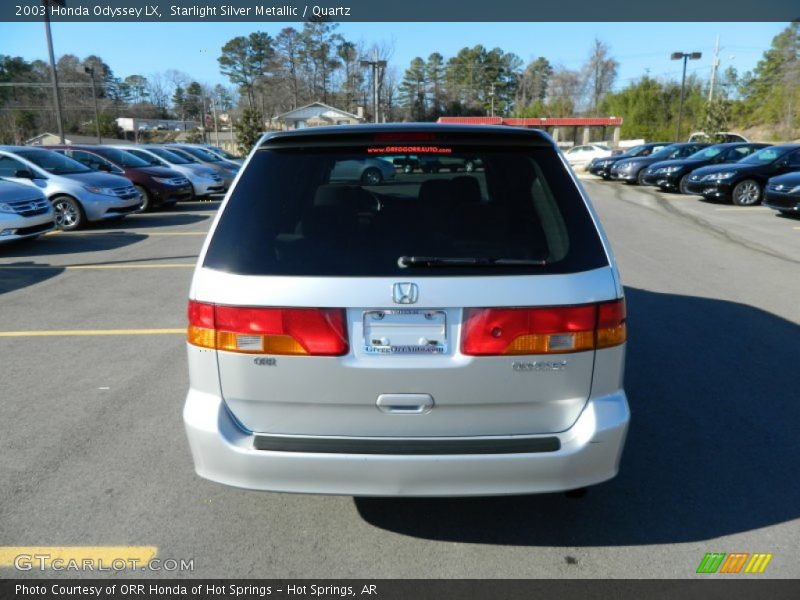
[
  {"x": 90, "y": 72},
  {"x": 53, "y": 73},
  {"x": 376, "y": 65},
  {"x": 214, "y": 111},
  {"x": 714, "y": 68},
  {"x": 203, "y": 98},
  {"x": 493, "y": 84},
  {"x": 683, "y": 56}
]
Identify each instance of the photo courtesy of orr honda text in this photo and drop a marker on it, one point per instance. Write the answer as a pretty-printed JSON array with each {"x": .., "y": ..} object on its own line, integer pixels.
[{"x": 424, "y": 300}]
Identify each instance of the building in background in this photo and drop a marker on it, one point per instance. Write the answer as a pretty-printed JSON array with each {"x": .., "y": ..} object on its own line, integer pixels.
[{"x": 316, "y": 114}]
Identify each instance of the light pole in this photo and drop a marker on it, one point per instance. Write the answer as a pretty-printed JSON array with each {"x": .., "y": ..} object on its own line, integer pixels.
[
  {"x": 375, "y": 65},
  {"x": 685, "y": 56},
  {"x": 53, "y": 73},
  {"x": 493, "y": 84},
  {"x": 90, "y": 71}
]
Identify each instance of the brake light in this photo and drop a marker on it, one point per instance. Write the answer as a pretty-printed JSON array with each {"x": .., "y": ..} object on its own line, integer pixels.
[
  {"x": 549, "y": 330},
  {"x": 404, "y": 136},
  {"x": 297, "y": 331}
]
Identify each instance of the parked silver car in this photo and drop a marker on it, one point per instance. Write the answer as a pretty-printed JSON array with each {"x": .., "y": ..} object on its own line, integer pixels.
[
  {"x": 222, "y": 153},
  {"x": 369, "y": 171},
  {"x": 446, "y": 335},
  {"x": 25, "y": 212},
  {"x": 205, "y": 181},
  {"x": 224, "y": 168},
  {"x": 78, "y": 193}
]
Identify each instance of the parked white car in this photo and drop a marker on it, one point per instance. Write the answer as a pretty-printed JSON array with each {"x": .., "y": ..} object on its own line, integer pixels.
[
  {"x": 25, "y": 212},
  {"x": 579, "y": 157}
]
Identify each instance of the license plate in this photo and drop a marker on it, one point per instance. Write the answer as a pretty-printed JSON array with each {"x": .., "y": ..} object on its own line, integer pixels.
[{"x": 405, "y": 331}]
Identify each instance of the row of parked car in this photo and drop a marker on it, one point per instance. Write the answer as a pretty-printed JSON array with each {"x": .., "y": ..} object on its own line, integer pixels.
[
  {"x": 67, "y": 187},
  {"x": 744, "y": 173}
]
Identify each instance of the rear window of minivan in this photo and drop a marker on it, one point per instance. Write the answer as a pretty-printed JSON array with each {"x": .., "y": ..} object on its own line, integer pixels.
[{"x": 313, "y": 211}]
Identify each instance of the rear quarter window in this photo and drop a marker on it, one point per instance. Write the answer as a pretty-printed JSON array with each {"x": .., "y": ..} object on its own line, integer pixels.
[{"x": 354, "y": 211}]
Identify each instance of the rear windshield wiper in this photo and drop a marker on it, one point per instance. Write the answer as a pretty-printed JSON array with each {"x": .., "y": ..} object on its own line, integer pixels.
[{"x": 405, "y": 262}]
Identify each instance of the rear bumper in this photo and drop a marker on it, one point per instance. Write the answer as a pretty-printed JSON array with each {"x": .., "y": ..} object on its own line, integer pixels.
[{"x": 589, "y": 453}]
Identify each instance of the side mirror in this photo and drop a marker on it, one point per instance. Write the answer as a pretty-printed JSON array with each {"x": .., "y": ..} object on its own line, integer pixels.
[
  {"x": 24, "y": 174},
  {"x": 104, "y": 167}
]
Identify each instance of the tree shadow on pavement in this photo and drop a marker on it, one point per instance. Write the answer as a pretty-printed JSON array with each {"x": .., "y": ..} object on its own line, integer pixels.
[
  {"x": 712, "y": 449},
  {"x": 195, "y": 206},
  {"x": 25, "y": 274},
  {"x": 155, "y": 220},
  {"x": 69, "y": 243}
]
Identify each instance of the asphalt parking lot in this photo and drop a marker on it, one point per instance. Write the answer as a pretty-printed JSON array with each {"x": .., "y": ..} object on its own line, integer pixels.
[{"x": 92, "y": 448}]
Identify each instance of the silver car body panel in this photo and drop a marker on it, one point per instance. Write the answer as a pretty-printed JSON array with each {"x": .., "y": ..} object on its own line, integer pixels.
[{"x": 575, "y": 397}]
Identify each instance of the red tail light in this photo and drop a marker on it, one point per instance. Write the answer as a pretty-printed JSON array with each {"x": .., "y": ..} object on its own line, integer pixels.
[
  {"x": 551, "y": 330},
  {"x": 310, "y": 331}
]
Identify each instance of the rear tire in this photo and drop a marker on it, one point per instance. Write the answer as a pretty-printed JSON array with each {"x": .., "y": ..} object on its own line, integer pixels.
[
  {"x": 746, "y": 193},
  {"x": 69, "y": 213}
]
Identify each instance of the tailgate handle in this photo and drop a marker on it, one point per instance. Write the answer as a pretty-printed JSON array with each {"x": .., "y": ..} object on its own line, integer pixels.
[{"x": 405, "y": 404}]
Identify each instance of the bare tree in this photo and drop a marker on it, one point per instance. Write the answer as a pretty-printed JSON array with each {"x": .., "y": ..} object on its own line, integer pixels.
[
  {"x": 600, "y": 72},
  {"x": 564, "y": 92}
]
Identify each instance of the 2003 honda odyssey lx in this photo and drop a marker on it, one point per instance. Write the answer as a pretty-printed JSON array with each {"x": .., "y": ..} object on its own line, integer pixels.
[{"x": 438, "y": 334}]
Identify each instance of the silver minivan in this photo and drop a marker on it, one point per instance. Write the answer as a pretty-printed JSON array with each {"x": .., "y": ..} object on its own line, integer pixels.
[
  {"x": 78, "y": 193},
  {"x": 25, "y": 212},
  {"x": 439, "y": 334}
]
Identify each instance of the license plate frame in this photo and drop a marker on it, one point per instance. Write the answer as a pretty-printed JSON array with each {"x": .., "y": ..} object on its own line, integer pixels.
[{"x": 404, "y": 331}]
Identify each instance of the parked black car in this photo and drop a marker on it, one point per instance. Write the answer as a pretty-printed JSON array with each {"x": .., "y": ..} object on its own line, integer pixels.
[
  {"x": 632, "y": 170},
  {"x": 602, "y": 166},
  {"x": 743, "y": 182},
  {"x": 783, "y": 194},
  {"x": 673, "y": 175}
]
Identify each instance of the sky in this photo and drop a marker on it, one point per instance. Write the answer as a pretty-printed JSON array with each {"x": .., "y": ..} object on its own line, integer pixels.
[{"x": 145, "y": 48}]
